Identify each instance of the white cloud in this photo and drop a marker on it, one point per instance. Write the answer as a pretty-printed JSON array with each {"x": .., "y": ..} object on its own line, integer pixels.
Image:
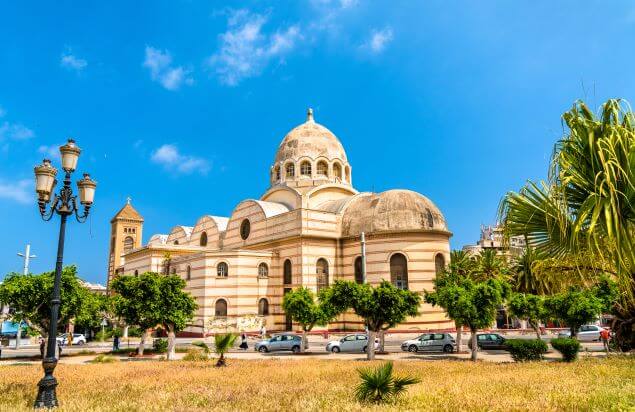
[
  {"x": 161, "y": 69},
  {"x": 344, "y": 4},
  {"x": 246, "y": 49},
  {"x": 379, "y": 39},
  {"x": 171, "y": 159},
  {"x": 52, "y": 151},
  {"x": 20, "y": 191},
  {"x": 15, "y": 131},
  {"x": 71, "y": 62}
]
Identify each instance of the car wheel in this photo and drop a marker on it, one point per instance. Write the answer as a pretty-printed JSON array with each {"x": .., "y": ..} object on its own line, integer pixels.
[
  {"x": 263, "y": 349},
  {"x": 335, "y": 349},
  {"x": 295, "y": 349},
  {"x": 364, "y": 349},
  {"x": 81, "y": 343},
  {"x": 448, "y": 349},
  {"x": 412, "y": 348}
]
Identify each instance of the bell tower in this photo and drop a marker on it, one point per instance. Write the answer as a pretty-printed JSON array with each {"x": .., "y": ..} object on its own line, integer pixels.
[{"x": 126, "y": 229}]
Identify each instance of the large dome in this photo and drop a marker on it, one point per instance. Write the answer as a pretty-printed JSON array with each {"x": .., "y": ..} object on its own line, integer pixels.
[
  {"x": 390, "y": 211},
  {"x": 310, "y": 155},
  {"x": 312, "y": 140}
]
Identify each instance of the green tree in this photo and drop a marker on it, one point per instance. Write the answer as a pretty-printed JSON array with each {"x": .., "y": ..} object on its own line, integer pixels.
[
  {"x": 471, "y": 302},
  {"x": 152, "y": 299},
  {"x": 584, "y": 215},
  {"x": 29, "y": 296},
  {"x": 529, "y": 307},
  {"x": 303, "y": 308},
  {"x": 575, "y": 308},
  {"x": 488, "y": 265},
  {"x": 95, "y": 308},
  {"x": 222, "y": 343},
  {"x": 380, "y": 307}
]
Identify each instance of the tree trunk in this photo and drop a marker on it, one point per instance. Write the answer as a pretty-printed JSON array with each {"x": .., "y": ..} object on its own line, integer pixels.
[
  {"x": 305, "y": 341},
  {"x": 142, "y": 343},
  {"x": 221, "y": 360},
  {"x": 574, "y": 331},
  {"x": 171, "y": 343},
  {"x": 474, "y": 345},
  {"x": 370, "y": 346},
  {"x": 459, "y": 336},
  {"x": 536, "y": 329},
  {"x": 382, "y": 333},
  {"x": 125, "y": 332},
  {"x": 17, "y": 336}
]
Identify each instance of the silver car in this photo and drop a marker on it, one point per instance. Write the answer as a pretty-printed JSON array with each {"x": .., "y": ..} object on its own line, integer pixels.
[
  {"x": 430, "y": 342},
  {"x": 349, "y": 343},
  {"x": 285, "y": 341},
  {"x": 586, "y": 333}
]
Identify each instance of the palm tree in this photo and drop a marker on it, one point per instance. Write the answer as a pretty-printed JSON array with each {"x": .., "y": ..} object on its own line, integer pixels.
[
  {"x": 489, "y": 265},
  {"x": 222, "y": 344},
  {"x": 378, "y": 385},
  {"x": 585, "y": 212}
]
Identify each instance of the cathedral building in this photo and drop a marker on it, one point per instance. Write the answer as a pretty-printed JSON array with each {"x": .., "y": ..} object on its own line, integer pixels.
[{"x": 305, "y": 230}]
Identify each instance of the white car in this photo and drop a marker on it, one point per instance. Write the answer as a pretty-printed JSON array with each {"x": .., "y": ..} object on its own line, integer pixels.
[
  {"x": 78, "y": 339},
  {"x": 430, "y": 342},
  {"x": 357, "y": 342},
  {"x": 586, "y": 333}
]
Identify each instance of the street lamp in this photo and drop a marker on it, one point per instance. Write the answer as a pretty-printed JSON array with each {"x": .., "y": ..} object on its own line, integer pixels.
[{"x": 64, "y": 204}]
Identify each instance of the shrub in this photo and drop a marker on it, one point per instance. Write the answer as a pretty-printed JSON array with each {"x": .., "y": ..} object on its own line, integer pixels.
[
  {"x": 101, "y": 336},
  {"x": 134, "y": 332},
  {"x": 196, "y": 355},
  {"x": 103, "y": 358},
  {"x": 567, "y": 347},
  {"x": 160, "y": 345},
  {"x": 526, "y": 349},
  {"x": 378, "y": 385}
]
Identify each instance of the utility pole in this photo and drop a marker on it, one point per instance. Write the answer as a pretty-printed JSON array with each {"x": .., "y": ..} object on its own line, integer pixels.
[{"x": 27, "y": 256}]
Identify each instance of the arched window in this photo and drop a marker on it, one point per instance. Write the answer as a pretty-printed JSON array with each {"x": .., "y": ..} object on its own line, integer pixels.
[
  {"x": 188, "y": 273},
  {"x": 203, "y": 239},
  {"x": 263, "y": 307},
  {"x": 290, "y": 170},
  {"x": 439, "y": 263},
  {"x": 322, "y": 168},
  {"x": 399, "y": 271},
  {"x": 359, "y": 276},
  {"x": 337, "y": 171},
  {"x": 176, "y": 242},
  {"x": 128, "y": 244},
  {"x": 322, "y": 272},
  {"x": 220, "y": 309},
  {"x": 305, "y": 168},
  {"x": 174, "y": 271},
  {"x": 136, "y": 273},
  {"x": 263, "y": 270},
  {"x": 288, "y": 274},
  {"x": 276, "y": 173},
  {"x": 222, "y": 270}
]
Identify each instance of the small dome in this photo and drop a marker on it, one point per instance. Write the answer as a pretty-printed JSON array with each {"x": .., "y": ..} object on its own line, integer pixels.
[
  {"x": 312, "y": 140},
  {"x": 390, "y": 211}
]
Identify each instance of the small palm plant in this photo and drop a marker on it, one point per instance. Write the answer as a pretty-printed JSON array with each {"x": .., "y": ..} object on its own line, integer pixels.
[
  {"x": 222, "y": 343},
  {"x": 379, "y": 385},
  {"x": 204, "y": 346}
]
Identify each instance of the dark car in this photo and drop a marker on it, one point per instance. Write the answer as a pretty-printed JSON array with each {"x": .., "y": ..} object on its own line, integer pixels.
[{"x": 487, "y": 341}]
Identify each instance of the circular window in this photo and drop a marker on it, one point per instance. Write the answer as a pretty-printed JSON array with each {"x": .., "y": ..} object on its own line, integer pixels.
[{"x": 245, "y": 227}]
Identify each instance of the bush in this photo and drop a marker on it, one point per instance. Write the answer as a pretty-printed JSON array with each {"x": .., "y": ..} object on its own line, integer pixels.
[
  {"x": 160, "y": 345},
  {"x": 567, "y": 347},
  {"x": 196, "y": 355},
  {"x": 526, "y": 349},
  {"x": 101, "y": 336},
  {"x": 134, "y": 332}
]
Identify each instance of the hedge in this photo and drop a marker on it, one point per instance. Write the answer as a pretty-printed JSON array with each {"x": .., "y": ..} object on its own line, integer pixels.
[
  {"x": 526, "y": 349},
  {"x": 567, "y": 347}
]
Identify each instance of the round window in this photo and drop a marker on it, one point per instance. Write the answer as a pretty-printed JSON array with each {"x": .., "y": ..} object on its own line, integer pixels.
[{"x": 245, "y": 227}]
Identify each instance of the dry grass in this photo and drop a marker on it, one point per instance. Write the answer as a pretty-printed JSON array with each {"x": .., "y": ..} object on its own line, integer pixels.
[{"x": 317, "y": 385}]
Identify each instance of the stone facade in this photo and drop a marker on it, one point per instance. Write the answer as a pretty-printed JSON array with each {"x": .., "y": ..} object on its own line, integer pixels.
[{"x": 304, "y": 231}]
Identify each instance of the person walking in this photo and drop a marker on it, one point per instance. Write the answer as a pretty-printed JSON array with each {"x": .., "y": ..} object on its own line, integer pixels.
[
  {"x": 263, "y": 332},
  {"x": 115, "y": 343},
  {"x": 243, "y": 341},
  {"x": 42, "y": 345},
  {"x": 605, "y": 335}
]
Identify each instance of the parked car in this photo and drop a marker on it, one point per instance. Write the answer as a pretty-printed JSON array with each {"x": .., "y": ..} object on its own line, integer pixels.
[
  {"x": 357, "y": 342},
  {"x": 284, "y": 341},
  {"x": 586, "y": 333},
  {"x": 488, "y": 341},
  {"x": 9, "y": 335},
  {"x": 430, "y": 342},
  {"x": 78, "y": 339}
]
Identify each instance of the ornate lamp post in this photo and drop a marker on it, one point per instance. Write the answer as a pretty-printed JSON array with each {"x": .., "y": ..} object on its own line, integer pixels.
[{"x": 64, "y": 204}]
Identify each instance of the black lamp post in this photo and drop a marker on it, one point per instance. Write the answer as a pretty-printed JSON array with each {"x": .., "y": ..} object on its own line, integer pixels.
[{"x": 64, "y": 204}]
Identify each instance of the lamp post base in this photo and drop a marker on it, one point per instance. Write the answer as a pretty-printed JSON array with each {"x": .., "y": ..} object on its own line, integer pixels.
[{"x": 46, "y": 395}]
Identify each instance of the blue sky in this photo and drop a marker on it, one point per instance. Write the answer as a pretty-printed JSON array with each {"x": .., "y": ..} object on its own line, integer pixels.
[{"x": 182, "y": 104}]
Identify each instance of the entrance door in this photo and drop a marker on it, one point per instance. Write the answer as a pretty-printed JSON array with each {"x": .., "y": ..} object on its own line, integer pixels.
[{"x": 288, "y": 322}]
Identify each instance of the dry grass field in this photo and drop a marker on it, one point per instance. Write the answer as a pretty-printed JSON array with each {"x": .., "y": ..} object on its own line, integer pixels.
[{"x": 318, "y": 385}]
